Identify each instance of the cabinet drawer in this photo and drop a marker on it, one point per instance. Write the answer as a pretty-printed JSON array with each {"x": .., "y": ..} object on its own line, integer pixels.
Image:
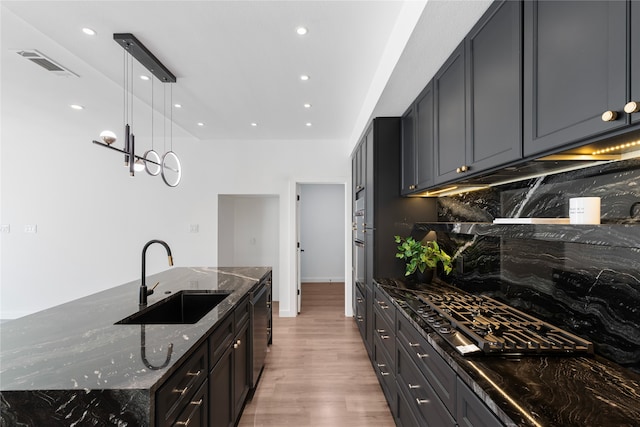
[
  {"x": 439, "y": 374},
  {"x": 360, "y": 315},
  {"x": 175, "y": 393},
  {"x": 195, "y": 413},
  {"x": 405, "y": 415},
  {"x": 241, "y": 313},
  {"x": 220, "y": 340},
  {"x": 383, "y": 332},
  {"x": 382, "y": 301},
  {"x": 472, "y": 412},
  {"x": 385, "y": 371},
  {"x": 421, "y": 397}
]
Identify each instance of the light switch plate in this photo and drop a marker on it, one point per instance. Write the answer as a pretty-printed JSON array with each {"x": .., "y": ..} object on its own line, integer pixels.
[
  {"x": 194, "y": 228},
  {"x": 31, "y": 228}
]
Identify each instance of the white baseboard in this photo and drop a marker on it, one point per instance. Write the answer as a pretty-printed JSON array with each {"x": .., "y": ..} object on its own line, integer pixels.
[{"x": 321, "y": 279}]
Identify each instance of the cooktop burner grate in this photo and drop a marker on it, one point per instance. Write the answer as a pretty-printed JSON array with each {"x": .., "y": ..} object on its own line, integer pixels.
[{"x": 474, "y": 324}]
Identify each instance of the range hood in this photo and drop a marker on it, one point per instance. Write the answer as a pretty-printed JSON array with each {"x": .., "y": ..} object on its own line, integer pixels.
[{"x": 621, "y": 147}]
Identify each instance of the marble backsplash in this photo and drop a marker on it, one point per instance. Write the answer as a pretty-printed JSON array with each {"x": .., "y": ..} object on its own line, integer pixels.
[{"x": 591, "y": 290}]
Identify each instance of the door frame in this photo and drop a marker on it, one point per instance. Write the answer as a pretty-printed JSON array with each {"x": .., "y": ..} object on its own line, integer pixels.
[{"x": 294, "y": 239}]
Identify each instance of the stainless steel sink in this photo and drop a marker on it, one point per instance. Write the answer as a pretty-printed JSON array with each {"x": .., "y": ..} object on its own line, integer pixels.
[{"x": 184, "y": 307}]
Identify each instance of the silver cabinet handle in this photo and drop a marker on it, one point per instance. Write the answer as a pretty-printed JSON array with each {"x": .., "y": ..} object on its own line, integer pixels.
[
  {"x": 381, "y": 365},
  {"x": 422, "y": 356},
  {"x": 413, "y": 386},
  {"x": 380, "y": 331},
  {"x": 194, "y": 374},
  {"x": 197, "y": 402},
  {"x": 384, "y": 374},
  {"x": 360, "y": 319},
  {"x": 421, "y": 401},
  {"x": 413, "y": 344},
  {"x": 384, "y": 337}
]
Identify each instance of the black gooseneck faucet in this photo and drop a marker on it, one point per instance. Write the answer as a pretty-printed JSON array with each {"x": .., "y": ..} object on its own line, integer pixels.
[{"x": 144, "y": 293}]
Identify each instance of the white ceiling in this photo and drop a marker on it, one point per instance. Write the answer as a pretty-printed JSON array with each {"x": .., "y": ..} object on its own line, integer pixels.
[{"x": 236, "y": 62}]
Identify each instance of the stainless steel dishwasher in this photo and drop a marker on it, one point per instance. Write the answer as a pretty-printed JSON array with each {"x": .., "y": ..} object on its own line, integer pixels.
[{"x": 260, "y": 324}]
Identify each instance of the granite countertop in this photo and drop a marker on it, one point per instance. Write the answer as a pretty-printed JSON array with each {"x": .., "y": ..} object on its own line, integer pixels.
[
  {"x": 540, "y": 391},
  {"x": 77, "y": 346}
]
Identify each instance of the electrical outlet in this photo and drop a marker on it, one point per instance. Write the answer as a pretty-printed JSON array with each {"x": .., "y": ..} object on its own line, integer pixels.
[
  {"x": 31, "y": 228},
  {"x": 5, "y": 228},
  {"x": 194, "y": 228}
]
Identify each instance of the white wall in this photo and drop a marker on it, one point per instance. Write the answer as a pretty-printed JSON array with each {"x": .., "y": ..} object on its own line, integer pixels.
[
  {"x": 322, "y": 233},
  {"x": 248, "y": 233},
  {"x": 93, "y": 219}
]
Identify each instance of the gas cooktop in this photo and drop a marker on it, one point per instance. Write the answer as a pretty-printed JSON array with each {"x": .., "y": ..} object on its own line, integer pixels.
[{"x": 475, "y": 324}]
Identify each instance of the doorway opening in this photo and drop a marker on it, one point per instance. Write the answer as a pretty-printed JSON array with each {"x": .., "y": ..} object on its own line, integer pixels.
[
  {"x": 249, "y": 233},
  {"x": 320, "y": 225}
]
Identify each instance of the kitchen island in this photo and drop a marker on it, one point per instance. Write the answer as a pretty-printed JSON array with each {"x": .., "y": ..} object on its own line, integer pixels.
[
  {"x": 72, "y": 365},
  {"x": 495, "y": 390}
]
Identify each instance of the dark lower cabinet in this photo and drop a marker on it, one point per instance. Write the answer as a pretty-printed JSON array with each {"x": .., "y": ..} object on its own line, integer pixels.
[
  {"x": 229, "y": 379},
  {"x": 422, "y": 400},
  {"x": 421, "y": 388},
  {"x": 196, "y": 413},
  {"x": 241, "y": 357},
  {"x": 174, "y": 398},
  {"x": 361, "y": 313},
  {"x": 221, "y": 402},
  {"x": 471, "y": 412}
]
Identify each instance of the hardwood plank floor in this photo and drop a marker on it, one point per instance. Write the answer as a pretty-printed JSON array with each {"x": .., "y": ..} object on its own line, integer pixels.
[{"x": 317, "y": 372}]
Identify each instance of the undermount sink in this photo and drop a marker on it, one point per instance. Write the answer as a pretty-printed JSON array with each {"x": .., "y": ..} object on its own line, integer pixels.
[{"x": 184, "y": 307}]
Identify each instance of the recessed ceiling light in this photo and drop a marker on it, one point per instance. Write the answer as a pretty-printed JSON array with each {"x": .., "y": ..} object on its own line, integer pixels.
[
  {"x": 200, "y": 124},
  {"x": 88, "y": 31},
  {"x": 76, "y": 107},
  {"x": 308, "y": 124},
  {"x": 304, "y": 77},
  {"x": 301, "y": 31},
  {"x": 143, "y": 77},
  {"x": 254, "y": 124},
  {"x": 307, "y": 105},
  {"x": 177, "y": 105}
]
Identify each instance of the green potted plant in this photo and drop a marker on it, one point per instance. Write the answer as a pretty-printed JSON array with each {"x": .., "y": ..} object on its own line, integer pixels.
[{"x": 420, "y": 257}]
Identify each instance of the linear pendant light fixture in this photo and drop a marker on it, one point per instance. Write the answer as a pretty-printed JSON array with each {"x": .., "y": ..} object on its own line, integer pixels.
[{"x": 169, "y": 165}]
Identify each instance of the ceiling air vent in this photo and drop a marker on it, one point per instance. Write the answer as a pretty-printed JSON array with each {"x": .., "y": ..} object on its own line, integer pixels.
[{"x": 46, "y": 63}]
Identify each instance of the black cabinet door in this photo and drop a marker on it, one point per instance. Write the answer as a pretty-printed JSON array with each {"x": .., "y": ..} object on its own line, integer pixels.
[
  {"x": 494, "y": 73},
  {"x": 450, "y": 132},
  {"x": 574, "y": 70},
  {"x": 634, "y": 37},
  {"x": 241, "y": 357},
  {"x": 424, "y": 138},
  {"x": 221, "y": 402},
  {"x": 407, "y": 147},
  {"x": 470, "y": 411}
]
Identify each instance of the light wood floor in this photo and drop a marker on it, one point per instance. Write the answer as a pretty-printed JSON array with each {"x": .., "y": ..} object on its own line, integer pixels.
[{"x": 318, "y": 372}]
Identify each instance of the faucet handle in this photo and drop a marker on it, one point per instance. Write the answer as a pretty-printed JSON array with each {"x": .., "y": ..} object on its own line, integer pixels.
[{"x": 150, "y": 291}]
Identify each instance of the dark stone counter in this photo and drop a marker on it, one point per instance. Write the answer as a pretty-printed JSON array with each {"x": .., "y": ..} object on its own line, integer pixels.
[
  {"x": 539, "y": 391},
  {"x": 73, "y": 359}
]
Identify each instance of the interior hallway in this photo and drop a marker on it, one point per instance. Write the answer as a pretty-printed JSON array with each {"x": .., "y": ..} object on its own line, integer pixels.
[{"x": 318, "y": 372}]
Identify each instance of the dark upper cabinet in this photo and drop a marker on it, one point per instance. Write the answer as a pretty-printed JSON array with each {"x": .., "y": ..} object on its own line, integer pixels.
[
  {"x": 634, "y": 37},
  {"x": 494, "y": 85},
  {"x": 408, "y": 144},
  {"x": 417, "y": 143},
  {"x": 574, "y": 71},
  {"x": 449, "y": 117},
  {"x": 359, "y": 168}
]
